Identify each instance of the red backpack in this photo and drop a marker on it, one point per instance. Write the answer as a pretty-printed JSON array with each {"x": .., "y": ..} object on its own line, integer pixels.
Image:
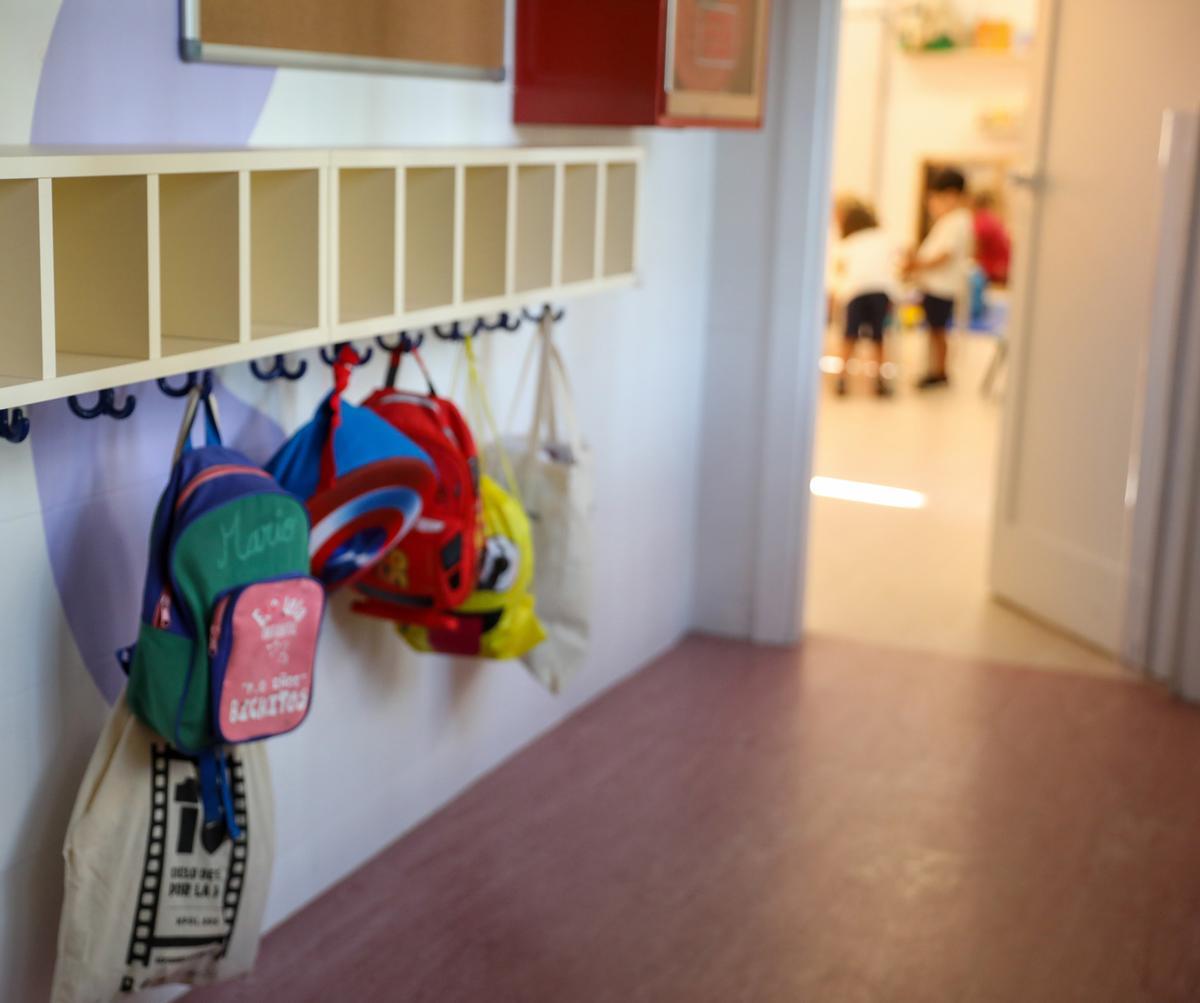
[{"x": 433, "y": 569}]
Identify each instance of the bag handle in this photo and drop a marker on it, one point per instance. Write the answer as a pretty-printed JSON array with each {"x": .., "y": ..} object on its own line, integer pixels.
[
  {"x": 480, "y": 396},
  {"x": 407, "y": 346},
  {"x": 202, "y": 391},
  {"x": 543, "y": 404},
  {"x": 347, "y": 359},
  {"x": 567, "y": 401},
  {"x": 511, "y": 420},
  {"x": 554, "y": 391}
]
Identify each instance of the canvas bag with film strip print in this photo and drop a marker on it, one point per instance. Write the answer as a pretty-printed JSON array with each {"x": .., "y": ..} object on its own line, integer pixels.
[{"x": 153, "y": 896}]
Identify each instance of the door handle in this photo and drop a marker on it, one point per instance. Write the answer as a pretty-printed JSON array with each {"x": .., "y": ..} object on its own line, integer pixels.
[{"x": 1025, "y": 179}]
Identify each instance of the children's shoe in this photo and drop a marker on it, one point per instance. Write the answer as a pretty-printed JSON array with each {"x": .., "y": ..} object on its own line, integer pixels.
[{"x": 932, "y": 380}]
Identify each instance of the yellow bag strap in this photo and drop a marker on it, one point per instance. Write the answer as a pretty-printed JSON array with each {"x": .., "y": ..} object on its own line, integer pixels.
[{"x": 485, "y": 408}]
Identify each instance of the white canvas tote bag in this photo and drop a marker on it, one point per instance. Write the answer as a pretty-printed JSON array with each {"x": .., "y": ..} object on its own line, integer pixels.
[
  {"x": 554, "y": 471},
  {"x": 152, "y": 896}
]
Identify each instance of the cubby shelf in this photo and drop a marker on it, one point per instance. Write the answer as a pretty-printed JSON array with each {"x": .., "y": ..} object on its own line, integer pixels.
[{"x": 124, "y": 265}]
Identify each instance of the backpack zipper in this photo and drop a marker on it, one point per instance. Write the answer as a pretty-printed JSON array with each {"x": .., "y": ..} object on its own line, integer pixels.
[
  {"x": 211, "y": 474},
  {"x": 162, "y": 609}
]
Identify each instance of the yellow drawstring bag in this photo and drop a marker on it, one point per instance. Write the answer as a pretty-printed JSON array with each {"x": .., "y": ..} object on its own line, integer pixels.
[{"x": 498, "y": 619}]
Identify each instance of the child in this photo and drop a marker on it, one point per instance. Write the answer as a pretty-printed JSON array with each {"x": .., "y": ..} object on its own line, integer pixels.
[
  {"x": 864, "y": 279},
  {"x": 941, "y": 265},
  {"x": 993, "y": 247}
]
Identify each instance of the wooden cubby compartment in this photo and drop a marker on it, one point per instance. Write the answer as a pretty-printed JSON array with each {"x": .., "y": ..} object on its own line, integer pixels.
[
  {"x": 285, "y": 234},
  {"x": 124, "y": 265},
  {"x": 428, "y": 237},
  {"x": 579, "y": 223},
  {"x": 198, "y": 246},
  {"x": 620, "y": 211},
  {"x": 101, "y": 272},
  {"x": 366, "y": 243},
  {"x": 485, "y": 232},
  {"x": 20, "y": 284},
  {"x": 535, "y": 227}
]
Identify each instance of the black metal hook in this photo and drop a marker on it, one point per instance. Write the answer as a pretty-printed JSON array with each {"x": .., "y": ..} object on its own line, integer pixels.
[
  {"x": 14, "y": 425},
  {"x": 453, "y": 334},
  {"x": 363, "y": 357},
  {"x": 555, "y": 315},
  {"x": 204, "y": 381},
  {"x": 405, "y": 342},
  {"x": 106, "y": 404},
  {"x": 502, "y": 324},
  {"x": 279, "y": 370}
]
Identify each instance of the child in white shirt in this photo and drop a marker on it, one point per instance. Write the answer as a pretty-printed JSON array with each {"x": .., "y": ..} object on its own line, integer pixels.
[
  {"x": 864, "y": 268},
  {"x": 941, "y": 266}
]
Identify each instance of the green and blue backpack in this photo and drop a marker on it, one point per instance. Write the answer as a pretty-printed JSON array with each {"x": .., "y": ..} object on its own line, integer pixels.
[{"x": 230, "y": 614}]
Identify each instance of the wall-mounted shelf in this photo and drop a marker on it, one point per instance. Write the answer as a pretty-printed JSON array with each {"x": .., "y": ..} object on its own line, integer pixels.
[
  {"x": 122, "y": 266},
  {"x": 961, "y": 53}
]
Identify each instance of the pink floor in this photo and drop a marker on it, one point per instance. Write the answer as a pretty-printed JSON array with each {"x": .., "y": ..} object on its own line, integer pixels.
[{"x": 838, "y": 825}]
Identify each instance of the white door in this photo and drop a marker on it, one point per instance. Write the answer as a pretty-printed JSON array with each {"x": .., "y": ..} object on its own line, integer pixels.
[{"x": 1086, "y": 234}]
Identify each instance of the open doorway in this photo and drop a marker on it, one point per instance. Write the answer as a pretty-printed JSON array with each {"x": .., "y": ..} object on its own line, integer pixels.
[{"x": 905, "y": 478}]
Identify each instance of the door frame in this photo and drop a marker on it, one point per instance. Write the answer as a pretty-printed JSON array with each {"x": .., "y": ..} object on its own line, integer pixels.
[
  {"x": 795, "y": 321},
  {"x": 1164, "y": 587}
]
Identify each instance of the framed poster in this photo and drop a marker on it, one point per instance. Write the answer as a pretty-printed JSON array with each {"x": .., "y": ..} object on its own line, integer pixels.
[
  {"x": 445, "y": 38},
  {"x": 716, "y": 58}
]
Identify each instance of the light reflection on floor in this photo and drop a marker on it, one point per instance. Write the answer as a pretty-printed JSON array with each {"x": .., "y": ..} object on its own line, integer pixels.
[{"x": 917, "y": 577}]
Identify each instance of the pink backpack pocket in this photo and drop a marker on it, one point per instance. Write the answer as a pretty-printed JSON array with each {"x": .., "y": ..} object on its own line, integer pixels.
[{"x": 263, "y": 646}]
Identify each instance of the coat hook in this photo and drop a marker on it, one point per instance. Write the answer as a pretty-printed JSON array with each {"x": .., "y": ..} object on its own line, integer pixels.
[
  {"x": 361, "y": 358},
  {"x": 193, "y": 379},
  {"x": 279, "y": 370},
  {"x": 555, "y": 315},
  {"x": 405, "y": 342},
  {"x": 502, "y": 324},
  {"x": 453, "y": 334},
  {"x": 106, "y": 404},
  {"x": 14, "y": 425}
]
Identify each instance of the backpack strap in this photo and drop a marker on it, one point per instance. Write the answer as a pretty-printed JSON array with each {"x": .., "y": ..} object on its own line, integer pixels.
[
  {"x": 347, "y": 359},
  {"x": 200, "y": 393},
  {"x": 216, "y": 791},
  {"x": 397, "y": 356}
]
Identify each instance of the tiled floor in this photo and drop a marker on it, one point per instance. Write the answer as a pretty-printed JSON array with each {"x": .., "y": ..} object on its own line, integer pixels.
[
  {"x": 844, "y": 824},
  {"x": 918, "y": 578}
]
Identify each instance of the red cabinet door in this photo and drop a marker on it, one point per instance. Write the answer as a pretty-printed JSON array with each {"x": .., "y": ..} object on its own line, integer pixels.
[{"x": 641, "y": 62}]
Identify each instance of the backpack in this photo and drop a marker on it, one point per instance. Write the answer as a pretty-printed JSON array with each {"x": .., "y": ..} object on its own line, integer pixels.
[
  {"x": 230, "y": 615},
  {"x": 363, "y": 481},
  {"x": 433, "y": 568},
  {"x": 498, "y": 619}
]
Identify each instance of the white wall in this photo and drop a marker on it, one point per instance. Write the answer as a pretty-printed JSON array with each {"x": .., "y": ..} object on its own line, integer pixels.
[
  {"x": 392, "y": 736},
  {"x": 897, "y": 109}
]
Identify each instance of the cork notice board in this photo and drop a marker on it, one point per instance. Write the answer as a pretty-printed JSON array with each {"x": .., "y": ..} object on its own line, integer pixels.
[{"x": 455, "y": 38}]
